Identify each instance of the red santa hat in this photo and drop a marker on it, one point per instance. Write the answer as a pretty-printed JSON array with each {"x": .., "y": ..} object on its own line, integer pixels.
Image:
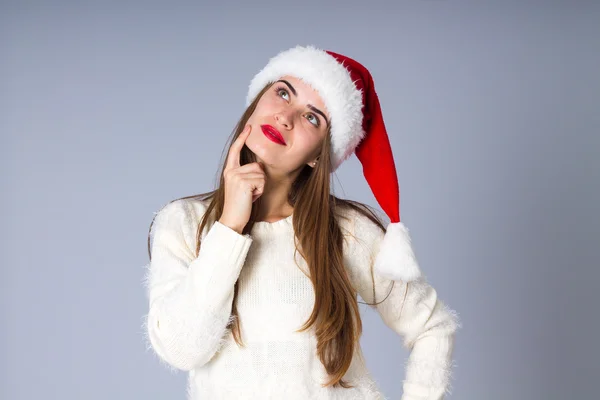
[{"x": 347, "y": 89}]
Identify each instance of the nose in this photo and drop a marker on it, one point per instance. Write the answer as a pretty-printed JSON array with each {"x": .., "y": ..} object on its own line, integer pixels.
[{"x": 284, "y": 118}]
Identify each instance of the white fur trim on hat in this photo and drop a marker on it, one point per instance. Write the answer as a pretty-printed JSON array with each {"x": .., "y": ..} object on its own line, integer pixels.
[
  {"x": 334, "y": 84},
  {"x": 396, "y": 258}
]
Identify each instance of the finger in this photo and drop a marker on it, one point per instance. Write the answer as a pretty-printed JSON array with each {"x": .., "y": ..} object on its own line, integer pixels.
[
  {"x": 252, "y": 175},
  {"x": 257, "y": 189},
  {"x": 255, "y": 183},
  {"x": 251, "y": 167},
  {"x": 233, "y": 158}
]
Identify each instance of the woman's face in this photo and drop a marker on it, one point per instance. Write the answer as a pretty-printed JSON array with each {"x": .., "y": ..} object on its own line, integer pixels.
[{"x": 296, "y": 111}]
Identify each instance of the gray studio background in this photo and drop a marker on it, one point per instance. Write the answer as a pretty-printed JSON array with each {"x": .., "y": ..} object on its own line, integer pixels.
[{"x": 110, "y": 110}]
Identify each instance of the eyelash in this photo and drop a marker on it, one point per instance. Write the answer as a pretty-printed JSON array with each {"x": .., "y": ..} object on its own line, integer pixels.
[{"x": 314, "y": 116}]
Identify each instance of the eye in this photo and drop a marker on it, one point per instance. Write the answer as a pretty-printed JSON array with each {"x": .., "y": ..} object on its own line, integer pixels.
[
  {"x": 281, "y": 89},
  {"x": 314, "y": 118}
]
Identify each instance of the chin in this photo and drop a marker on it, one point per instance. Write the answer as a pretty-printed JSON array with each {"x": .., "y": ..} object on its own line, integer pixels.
[
  {"x": 262, "y": 147},
  {"x": 258, "y": 150}
]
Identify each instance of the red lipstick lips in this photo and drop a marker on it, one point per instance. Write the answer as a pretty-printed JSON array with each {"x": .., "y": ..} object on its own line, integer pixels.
[{"x": 273, "y": 134}]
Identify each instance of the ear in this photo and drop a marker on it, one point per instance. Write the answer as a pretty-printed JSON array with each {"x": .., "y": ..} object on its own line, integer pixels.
[{"x": 313, "y": 163}]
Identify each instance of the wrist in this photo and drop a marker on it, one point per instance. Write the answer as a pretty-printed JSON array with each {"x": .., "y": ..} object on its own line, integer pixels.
[{"x": 231, "y": 226}]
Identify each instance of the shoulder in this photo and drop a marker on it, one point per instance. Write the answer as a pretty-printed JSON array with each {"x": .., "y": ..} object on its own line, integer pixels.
[
  {"x": 361, "y": 234},
  {"x": 175, "y": 212},
  {"x": 179, "y": 219}
]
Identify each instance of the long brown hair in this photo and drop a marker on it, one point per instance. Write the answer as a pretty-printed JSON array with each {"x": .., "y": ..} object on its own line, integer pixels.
[{"x": 320, "y": 241}]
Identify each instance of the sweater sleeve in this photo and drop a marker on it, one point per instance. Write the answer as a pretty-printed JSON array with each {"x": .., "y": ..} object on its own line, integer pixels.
[
  {"x": 190, "y": 298},
  {"x": 413, "y": 309}
]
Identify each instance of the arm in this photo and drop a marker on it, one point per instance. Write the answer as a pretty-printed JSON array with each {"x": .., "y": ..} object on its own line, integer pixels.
[
  {"x": 190, "y": 297},
  {"x": 412, "y": 309}
]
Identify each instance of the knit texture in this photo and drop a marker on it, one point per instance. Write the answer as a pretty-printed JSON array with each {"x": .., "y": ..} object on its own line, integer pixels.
[{"x": 190, "y": 300}]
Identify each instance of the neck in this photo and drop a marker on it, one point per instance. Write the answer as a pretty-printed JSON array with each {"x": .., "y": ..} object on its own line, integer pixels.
[{"x": 274, "y": 200}]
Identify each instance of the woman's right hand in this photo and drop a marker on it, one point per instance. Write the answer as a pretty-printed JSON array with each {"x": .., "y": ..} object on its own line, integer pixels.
[{"x": 243, "y": 185}]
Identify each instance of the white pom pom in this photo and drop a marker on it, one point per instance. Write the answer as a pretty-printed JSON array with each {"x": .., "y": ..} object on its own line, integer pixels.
[{"x": 396, "y": 258}]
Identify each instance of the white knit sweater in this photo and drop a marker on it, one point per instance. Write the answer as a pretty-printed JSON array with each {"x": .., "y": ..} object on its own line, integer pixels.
[{"x": 190, "y": 300}]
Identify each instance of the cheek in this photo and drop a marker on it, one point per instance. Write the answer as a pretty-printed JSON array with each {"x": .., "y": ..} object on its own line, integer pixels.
[
  {"x": 267, "y": 103},
  {"x": 263, "y": 108},
  {"x": 307, "y": 143}
]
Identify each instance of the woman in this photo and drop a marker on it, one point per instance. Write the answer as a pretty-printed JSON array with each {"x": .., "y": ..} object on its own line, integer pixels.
[{"x": 252, "y": 287}]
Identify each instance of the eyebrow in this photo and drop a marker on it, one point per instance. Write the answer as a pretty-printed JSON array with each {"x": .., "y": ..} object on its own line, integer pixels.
[{"x": 315, "y": 109}]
